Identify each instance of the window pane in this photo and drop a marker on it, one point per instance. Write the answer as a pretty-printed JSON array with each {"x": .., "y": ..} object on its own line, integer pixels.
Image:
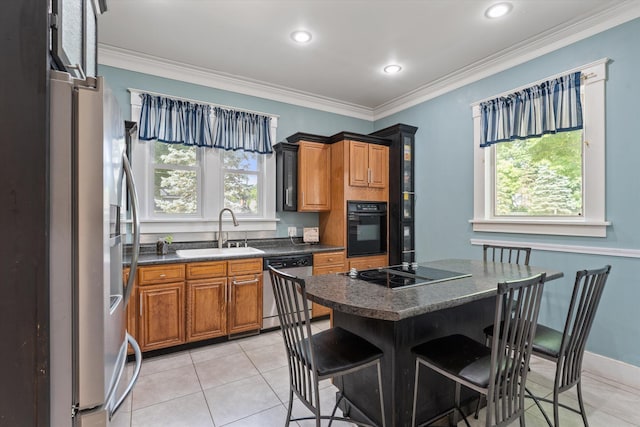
[
  {"x": 241, "y": 192},
  {"x": 540, "y": 176},
  {"x": 175, "y": 191},
  {"x": 241, "y": 160},
  {"x": 174, "y": 154}
]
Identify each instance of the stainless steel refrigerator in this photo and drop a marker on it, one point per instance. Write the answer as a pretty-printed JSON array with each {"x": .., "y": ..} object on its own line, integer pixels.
[{"x": 89, "y": 188}]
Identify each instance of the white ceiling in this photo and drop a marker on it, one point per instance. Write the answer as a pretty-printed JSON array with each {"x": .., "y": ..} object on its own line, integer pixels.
[{"x": 246, "y": 44}]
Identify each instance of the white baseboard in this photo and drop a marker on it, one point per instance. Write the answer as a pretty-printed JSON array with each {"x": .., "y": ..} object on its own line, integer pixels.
[{"x": 615, "y": 370}]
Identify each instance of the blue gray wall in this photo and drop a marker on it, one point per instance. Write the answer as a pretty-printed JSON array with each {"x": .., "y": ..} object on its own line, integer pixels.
[
  {"x": 444, "y": 182},
  {"x": 444, "y": 176}
]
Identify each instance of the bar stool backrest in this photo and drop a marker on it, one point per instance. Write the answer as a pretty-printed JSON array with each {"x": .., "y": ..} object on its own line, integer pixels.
[
  {"x": 585, "y": 298},
  {"x": 293, "y": 314},
  {"x": 507, "y": 254},
  {"x": 517, "y": 308}
]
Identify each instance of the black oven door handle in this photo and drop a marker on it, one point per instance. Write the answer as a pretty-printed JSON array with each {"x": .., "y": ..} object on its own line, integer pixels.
[{"x": 353, "y": 215}]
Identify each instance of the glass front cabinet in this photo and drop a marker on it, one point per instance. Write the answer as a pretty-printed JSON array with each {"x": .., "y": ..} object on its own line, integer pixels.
[{"x": 401, "y": 192}]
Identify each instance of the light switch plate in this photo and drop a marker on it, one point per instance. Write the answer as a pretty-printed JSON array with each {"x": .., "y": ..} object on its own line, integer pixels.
[{"x": 310, "y": 235}]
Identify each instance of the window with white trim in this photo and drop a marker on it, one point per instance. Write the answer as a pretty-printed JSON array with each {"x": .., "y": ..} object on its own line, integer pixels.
[
  {"x": 548, "y": 185},
  {"x": 181, "y": 189}
]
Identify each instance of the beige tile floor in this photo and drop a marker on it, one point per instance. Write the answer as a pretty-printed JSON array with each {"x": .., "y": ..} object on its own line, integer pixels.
[{"x": 244, "y": 383}]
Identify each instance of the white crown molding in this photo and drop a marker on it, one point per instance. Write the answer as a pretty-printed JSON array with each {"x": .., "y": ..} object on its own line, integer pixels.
[
  {"x": 147, "y": 64},
  {"x": 519, "y": 54},
  {"x": 533, "y": 48}
]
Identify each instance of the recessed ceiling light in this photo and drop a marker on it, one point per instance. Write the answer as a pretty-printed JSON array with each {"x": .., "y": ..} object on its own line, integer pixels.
[
  {"x": 497, "y": 10},
  {"x": 392, "y": 69},
  {"x": 301, "y": 36}
]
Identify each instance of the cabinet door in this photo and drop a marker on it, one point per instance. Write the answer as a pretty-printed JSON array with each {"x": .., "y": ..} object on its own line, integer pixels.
[
  {"x": 286, "y": 176},
  {"x": 378, "y": 166},
  {"x": 358, "y": 164},
  {"x": 314, "y": 177},
  {"x": 245, "y": 303},
  {"x": 161, "y": 315},
  {"x": 206, "y": 309}
]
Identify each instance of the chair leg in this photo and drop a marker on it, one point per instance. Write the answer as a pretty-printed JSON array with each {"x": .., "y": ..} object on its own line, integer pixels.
[
  {"x": 290, "y": 408},
  {"x": 581, "y": 403},
  {"x": 522, "y": 424},
  {"x": 381, "y": 394},
  {"x": 335, "y": 408},
  {"x": 477, "y": 413},
  {"x": 556, "y": 416},
  {"x": 415, "y": 393}
]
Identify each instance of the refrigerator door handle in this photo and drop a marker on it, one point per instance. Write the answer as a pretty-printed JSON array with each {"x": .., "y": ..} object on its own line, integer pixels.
[
  {"x": 134, "y": 377},
  {"x": 136, "y": 228}
]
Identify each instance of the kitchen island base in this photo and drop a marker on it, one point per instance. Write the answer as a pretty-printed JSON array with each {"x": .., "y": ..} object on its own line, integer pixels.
[{"x": 396, "y": 338}]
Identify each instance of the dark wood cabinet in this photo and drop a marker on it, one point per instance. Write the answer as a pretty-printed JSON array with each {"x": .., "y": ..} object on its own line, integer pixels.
[
  {"x": 401, "y": 192},
  {"x": 286, "y": 176}
]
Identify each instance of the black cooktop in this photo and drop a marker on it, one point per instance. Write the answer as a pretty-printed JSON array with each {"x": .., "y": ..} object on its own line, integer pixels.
[{"x": 402, "y": 276}]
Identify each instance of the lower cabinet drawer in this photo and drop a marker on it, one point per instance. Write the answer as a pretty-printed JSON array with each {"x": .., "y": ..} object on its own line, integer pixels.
[{"x": 160, "y": 273}]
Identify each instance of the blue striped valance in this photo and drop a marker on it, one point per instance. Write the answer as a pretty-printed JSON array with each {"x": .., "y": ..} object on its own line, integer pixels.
[
  {"x": 241, "y": 130},
  {"x": 548, "y": 107},
  {"x": 175, "y": 121}
]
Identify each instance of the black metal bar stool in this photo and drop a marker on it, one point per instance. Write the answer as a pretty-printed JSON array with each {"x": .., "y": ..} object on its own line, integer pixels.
[
  {"x": 506, "y": 254},
  {"x": 498, "y": 372},
  {"x": 315, "y": 357},
  {"x": 566, "y": 348}
]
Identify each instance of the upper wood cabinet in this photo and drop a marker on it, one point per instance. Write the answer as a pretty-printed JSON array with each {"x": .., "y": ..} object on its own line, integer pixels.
[
  {"x": 286, "y": 176},
  {"x": 314, "y": 177},
  {"x": 368, "y": 165}
]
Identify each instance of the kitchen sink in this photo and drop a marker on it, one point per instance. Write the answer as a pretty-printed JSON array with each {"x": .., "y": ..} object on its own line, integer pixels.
[{"x": 217, "y": 252}]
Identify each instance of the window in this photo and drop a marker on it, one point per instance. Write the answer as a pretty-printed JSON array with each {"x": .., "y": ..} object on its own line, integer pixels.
[
  {"x": 241, "y": 173},
  {"x": 547, "y": 185},
  {"x": 539, "y": 177},
  {"x": 181, "y": 189},
  {"x": 176, "y": 179}
]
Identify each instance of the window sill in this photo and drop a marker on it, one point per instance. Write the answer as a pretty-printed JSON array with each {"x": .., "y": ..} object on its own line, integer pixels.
[{"x": 543, "y": 226}]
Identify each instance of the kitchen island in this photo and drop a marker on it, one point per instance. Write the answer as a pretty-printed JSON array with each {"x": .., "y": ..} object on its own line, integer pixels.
[{"x": 397, "y": 319}]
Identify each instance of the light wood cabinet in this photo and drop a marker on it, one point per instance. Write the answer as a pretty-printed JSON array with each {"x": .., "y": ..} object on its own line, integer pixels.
[
  {"x": 206, "y": 300},
  {"x": 245, "y": 295},
  {"x": 326, "y": 263},
  {"x": 314, "y": 177},
  {"x": 368, "y": 262},
  {"x": 368, "y": 165},
  {"x": 161, "y": 315},
  {"x": 180, "y": 303},
  {"x": 161, "y": 305}
]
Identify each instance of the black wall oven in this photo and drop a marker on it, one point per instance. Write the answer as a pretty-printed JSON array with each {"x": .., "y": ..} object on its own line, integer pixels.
[{"x": 366, "y": 228}]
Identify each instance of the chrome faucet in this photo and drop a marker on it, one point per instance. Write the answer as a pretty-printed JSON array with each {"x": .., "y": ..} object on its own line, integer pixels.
[{"x": 235, "y": 223}]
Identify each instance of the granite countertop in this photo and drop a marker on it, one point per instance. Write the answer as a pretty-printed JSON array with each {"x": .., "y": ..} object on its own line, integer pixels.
[
  {"x": 353, "y": 296},
  {"x": 271, "y": 247}
]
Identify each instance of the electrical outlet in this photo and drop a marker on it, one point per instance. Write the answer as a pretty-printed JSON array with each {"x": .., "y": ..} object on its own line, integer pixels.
[{"x": 292, "y": 231}]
